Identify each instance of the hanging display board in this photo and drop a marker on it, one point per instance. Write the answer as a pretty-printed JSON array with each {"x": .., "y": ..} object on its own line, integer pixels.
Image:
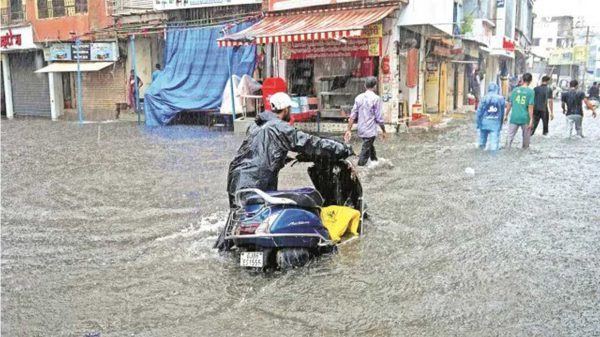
[
  {"x": 362, "y": 47},
  {"x": 99, "y": 51}
]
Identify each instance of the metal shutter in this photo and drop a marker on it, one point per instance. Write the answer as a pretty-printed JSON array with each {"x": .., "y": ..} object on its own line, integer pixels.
[{"x": 31, "y": 93}]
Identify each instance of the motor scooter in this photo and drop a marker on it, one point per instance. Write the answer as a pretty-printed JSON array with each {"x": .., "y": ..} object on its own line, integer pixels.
[{"x": 283, "y": 229}]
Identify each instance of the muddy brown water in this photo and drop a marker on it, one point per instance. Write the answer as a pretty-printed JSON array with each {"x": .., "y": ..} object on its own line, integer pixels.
[{"x": 107, "y": 229}]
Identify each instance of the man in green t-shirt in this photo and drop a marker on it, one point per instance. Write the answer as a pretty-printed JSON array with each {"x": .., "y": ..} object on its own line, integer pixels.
[{"x": 521, "y": 103}]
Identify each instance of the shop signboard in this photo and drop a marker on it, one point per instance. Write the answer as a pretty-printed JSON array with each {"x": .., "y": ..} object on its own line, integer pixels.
[
  {"x": 178, "y": 4},
  {"x": 81, "y": 52},
  {"x": 60, "y": 52},
  {"x": 580, "y": 54},
  {"x": 100, "y": 51},
  {"x": 441, "y": 51},
  {"x": 16, "y": 38},
  {"x": 281, "y": 5},
  {"x": 561, "y": 56},
  {"x": 374, "y": 30},
  {"x": 103, "y": 51},
  {"x": 359, "y": 47}
]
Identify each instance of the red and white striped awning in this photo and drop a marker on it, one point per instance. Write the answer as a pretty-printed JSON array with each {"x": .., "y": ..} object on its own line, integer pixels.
[{"x": 309, "y": 26}]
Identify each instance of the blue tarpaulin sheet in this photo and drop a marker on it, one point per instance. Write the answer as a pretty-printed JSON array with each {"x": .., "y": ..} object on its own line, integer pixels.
[{"x": 195, "y": 72}]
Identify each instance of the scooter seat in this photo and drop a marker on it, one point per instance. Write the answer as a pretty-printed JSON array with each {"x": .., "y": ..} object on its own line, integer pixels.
[{"x": 307, "y": 197}]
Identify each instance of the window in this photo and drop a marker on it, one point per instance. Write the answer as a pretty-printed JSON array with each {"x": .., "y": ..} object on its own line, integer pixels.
[
  {"x": 60, "y": 8},
  {"x": 12, "y": 11},
  {"x": 81, "y": 6},
  {"x": 42, "y": 6},
  {"x": 536, "y": 42}
]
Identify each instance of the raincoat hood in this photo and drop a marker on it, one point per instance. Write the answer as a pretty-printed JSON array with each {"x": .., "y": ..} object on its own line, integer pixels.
[
  {"x": 490, "y": 112},
  {"x": 493, "y": 88}
]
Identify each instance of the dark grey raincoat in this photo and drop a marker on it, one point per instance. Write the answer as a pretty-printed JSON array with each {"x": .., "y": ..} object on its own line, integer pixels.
[{"x": 264, "y": 152}]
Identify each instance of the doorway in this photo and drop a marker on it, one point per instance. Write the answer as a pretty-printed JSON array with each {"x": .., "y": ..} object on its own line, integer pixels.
[{"x": 69, "y": 101}]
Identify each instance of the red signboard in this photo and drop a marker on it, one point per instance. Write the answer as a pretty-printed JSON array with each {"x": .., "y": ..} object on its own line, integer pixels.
[
  {"x": 361, "y": 47},
  {"x": 9, "y": 39},
  {"x": 508, "y": 44}
]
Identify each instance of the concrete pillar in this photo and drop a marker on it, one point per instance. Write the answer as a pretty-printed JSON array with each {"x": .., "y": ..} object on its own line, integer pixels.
[
  {"x": 500, "y": 23},
  {"x": 10, "y": 114},
  {"x": 53, "y": 110},
  {"x": 268, "y": 60}
]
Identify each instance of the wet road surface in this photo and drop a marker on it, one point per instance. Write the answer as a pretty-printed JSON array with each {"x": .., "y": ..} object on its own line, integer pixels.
[{"x": 108, "y": 228}]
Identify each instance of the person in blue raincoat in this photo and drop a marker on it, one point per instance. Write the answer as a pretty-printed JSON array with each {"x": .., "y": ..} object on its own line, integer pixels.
[{"x": 490, "y": 115}]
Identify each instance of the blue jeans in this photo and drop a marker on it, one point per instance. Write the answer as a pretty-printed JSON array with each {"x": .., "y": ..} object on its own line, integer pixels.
[{"x": 494, "y": 139}]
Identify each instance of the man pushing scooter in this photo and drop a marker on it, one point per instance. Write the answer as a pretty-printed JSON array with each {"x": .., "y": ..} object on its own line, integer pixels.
[{"x": 264, "y": 151}]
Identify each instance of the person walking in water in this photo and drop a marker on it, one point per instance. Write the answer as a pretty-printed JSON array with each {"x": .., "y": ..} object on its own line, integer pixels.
[
  {"x": 543, "y": 108},
  {"x": 594, "y": 92},
  {"x": 572, "y": 101},
  {"x": 367, "y": 112},
  {"x": 490, "y": 115},
  {"x": 521, "y": 103}
]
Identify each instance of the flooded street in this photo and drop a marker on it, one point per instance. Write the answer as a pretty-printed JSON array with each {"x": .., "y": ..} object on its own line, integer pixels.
[{"x": 108, "y": 229}]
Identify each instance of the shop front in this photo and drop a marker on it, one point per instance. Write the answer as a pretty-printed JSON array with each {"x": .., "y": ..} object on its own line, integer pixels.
[
  {"x": 436, "y": 79},
  {"x": 325, "y": 56},
  {"x": 500, "y": 63},
  {"x": 470, "y": 77},
  {"x": 332, "y": 71},
  {"x": 101, "y": 79},
  {"x": 24, "y": 92}
]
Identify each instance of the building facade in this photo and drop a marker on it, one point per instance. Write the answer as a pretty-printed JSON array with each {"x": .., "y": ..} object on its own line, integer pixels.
[
  {"x": 39, "y": 61},
  {"x": 24, "y": 92}
]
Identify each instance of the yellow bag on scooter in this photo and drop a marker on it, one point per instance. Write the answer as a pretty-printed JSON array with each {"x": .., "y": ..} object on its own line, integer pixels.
[{"x": 339, "y": 220}]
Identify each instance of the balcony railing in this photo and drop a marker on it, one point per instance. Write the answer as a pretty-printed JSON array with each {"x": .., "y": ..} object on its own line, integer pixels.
[
  {"x": 46, "y": 12},
  {"x": 11, "y": 15},
  {"x": 131, "y": 6}
]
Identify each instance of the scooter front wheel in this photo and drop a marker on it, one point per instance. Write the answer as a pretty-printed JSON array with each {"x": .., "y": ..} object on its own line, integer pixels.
[{"x": 288, "y": 258}]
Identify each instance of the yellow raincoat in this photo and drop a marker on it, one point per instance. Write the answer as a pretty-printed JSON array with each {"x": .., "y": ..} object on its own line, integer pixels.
[{"x": 340, "y": 220}]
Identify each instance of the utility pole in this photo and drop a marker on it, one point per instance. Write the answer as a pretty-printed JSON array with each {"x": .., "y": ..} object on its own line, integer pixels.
[{"x": 587, "y": 46}]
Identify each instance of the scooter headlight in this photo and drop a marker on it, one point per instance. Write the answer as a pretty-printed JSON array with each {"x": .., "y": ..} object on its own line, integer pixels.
[{"x": 265, "y": 226}]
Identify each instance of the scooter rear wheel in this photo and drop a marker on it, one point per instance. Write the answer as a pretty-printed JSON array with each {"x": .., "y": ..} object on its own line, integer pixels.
[{"x": 289, "y": 258}]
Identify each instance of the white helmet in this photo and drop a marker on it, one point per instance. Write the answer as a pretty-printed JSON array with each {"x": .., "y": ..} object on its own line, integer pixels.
[{"x": 281, "y": 100}]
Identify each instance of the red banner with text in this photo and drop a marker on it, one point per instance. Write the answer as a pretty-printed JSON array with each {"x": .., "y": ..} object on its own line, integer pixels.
[{"x": 360, "y": 47}]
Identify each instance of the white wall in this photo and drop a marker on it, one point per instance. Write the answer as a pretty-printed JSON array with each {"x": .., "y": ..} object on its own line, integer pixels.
[
  {"x": 144, "y": 65},
  {"x": 424, "y": 12},
  {"x": 543, "y": 29}
]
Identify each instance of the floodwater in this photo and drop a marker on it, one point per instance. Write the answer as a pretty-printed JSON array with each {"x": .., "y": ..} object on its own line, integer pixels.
[{"x": 107, "y": 230}]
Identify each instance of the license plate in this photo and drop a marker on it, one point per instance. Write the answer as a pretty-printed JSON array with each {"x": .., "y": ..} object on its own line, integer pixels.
[{"x": 251, "y": 259}]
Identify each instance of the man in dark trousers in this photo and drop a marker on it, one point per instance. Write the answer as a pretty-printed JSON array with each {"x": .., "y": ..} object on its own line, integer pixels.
[
  {"x": 543, "y": 108},
  {"x": 572, "y": 101},
  {"x": 594, "y": 92},
  {"x": 367, "y": 112}
]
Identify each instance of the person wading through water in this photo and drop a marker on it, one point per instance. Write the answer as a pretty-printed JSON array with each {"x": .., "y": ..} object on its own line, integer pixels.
[
  {"x": 367, "y": 112},
  {"x": 490, "y": 115},
  {"x": 572, "y": 101},
  {"x": 543, "y": 107},
  {"x": 521, "y": 103},
  {"x": 264, "y": 151}
]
